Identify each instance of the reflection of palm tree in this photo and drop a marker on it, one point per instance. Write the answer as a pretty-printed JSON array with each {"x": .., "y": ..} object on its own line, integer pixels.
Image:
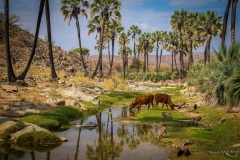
[
  {"x": 77, "y": 147},
  {"x": 134, "y": 141},
  {"x": 32, "y": 155},
  {"x": 48, "y": 155}
]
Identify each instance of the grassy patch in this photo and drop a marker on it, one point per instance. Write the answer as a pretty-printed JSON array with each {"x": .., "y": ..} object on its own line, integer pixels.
[
  {"x": 215, "y": 138},
  {"x": 6, "y": 135},
  {"x": 38, "y": 138},
  {"x": 55, "y": 119}
]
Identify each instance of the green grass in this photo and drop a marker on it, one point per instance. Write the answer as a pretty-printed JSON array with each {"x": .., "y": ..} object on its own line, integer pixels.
[
  {"x": 216, "y": 137},
  {"x": 55, "y": 119}
]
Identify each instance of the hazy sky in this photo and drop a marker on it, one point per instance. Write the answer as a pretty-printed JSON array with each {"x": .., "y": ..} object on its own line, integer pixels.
[{"x": 149, "y": 15}]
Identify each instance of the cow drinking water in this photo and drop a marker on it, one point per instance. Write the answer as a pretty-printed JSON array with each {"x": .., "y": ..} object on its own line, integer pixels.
[{"x": 140, "y": 100}]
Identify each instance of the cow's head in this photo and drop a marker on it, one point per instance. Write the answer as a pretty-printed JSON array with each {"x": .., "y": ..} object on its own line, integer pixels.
[
  {"x": 172, "y": 106},
  {"x": 131, "y": 106}
]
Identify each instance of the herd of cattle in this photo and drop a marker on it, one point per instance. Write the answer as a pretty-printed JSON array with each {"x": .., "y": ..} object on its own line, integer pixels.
[{"x": 148, "y": 100}]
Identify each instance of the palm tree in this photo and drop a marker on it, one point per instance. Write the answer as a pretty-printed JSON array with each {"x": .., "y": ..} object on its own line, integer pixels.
[
  {"x": 113, "y": 28},
  {"x": 177, "y": 23},
  {"x": 123, "y": 41},
  {"x": 171, "y": 43},
  {"x": 209, "y": 25},
  {"x": 11, "y": 74},
  {"x": 191, "y": 34},
  {"x": 104, "y": 10},
  {"x": 157, "y": 37},
  {"x": 53, "y": 72},
  {"x": 134, "y": 31},
  {"x": 24, "y": 73},
  {"x": 145, "y": 41},
  {"x": 71, "y": 9},
  {"x": 225, "y": 21}
]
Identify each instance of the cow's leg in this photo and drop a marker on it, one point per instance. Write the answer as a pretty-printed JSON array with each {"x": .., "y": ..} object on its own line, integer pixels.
[
  {"x": 162, "y": 105},
  {"x": 148, "y": 105},
  {"x": 156, "y": 105}
]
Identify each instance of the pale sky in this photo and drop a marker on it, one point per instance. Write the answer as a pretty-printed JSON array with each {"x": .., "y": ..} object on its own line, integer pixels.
[{"x": 149, "y": 15}]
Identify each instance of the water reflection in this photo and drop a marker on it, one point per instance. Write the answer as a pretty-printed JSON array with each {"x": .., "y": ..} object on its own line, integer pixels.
[{"x": 111, "y": 139}]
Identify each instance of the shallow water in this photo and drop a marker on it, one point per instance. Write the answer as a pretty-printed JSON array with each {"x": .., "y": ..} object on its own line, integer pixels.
[{"x": 110, "y": 140}]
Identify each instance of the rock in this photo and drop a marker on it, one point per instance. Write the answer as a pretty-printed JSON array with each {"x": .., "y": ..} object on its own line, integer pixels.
[
  {"x": 6, "y": 125},
  {"x": 5, "y": 107},
  {"x": 29, "y": 128},
  {"x": 60, "y": 102},
  {"x": 9, "y": 88},
  {"x": 63, "y": 139}
]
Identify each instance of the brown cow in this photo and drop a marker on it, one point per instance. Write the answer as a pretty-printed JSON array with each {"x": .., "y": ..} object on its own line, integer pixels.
[
  {"x": 140, "y": 100},
  {"x": 164, "y": 99}
]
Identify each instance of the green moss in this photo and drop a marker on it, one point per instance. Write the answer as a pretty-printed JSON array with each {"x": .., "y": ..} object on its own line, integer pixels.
[
  {"x": 38, "y": 138},
  {"x": 55, "y": 119}
]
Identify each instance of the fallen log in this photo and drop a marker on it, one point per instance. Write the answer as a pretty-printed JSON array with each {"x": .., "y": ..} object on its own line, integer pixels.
[{"x": 169, "y": 116}]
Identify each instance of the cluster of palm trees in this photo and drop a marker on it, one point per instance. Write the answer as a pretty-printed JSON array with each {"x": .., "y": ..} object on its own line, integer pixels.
[{"x": 189, "y": 30}]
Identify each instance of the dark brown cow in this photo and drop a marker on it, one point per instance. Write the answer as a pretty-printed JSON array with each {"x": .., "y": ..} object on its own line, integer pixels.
[
  {"x": 164, "y": 99},
  {"x": 140, "y": 100}
]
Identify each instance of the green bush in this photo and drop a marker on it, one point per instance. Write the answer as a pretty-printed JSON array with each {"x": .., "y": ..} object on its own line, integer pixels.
[
  {"x": 220, "y": 78},
  {"x": 38, "y": 138}
]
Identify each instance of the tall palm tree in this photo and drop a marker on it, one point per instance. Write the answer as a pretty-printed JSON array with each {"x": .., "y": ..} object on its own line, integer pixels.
[
  {"x": 134, "y": 31},
  {"x": 104, "y": 9},
  {"x": 191, "y": 34},
  {"x": 145, "y": 41},
  {"x": 71, "y": 9},
  {"x": 177, "y": 23},
  {"x": 113, "y": 29},
  {"x": 209, "y": 25},
  {"x": 225, "y": 21},
  {"x": 123, "y": 42},
  {"x": 157, "y": 37},
  {"x": 11, "y": 74},
  {"x": 53, "y": 72},
  {"x": 171, "y": 43},
  {"x": 24, "y": 73}
]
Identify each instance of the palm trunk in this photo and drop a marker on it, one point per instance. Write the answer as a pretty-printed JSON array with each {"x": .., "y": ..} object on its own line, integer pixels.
[
  {"x": 181, "y": 64},
  {"x": 80, "y": 46},
  {"x": 147, "y": 63},
  {"x": 205, "y": 55},
  {"x": 172, "y": 61},
  {"x": 111, "y": 63},
  {"x": 225, "y": 21},
  {"x": 23, "y": 75},
  {"x": 11, "y": 74},
  {"x": 109, "y": 56},
  {"x": 176, "y": 62},
  {"x": 160, "y": 59},
  {"x": 144, "y": 66},
  {"x": 99, "y": 64},
  {"x": 234, "y": 7},
  {"x": 208, "y": 49},
  {"x": 50, "y": 54},
  {"x": 138, "y": 65},
  {"x": 157, "y": 58},
  {"x": 135, "y": 55},
  {"x": 190, "y": 56}
]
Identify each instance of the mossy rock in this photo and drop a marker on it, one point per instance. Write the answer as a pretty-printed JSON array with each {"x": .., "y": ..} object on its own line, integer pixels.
[{"x": 38, "y": 138}]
